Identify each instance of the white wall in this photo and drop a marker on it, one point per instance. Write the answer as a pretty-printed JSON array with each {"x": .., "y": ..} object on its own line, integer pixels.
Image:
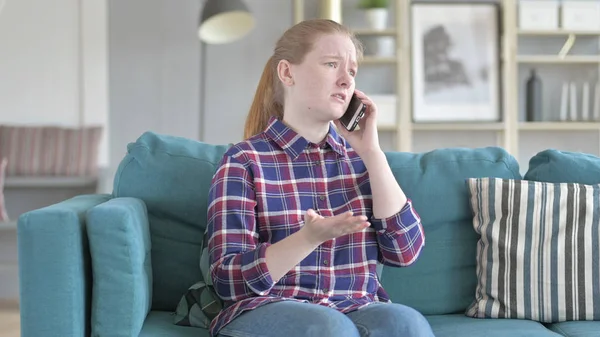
[
  {"x": 53, "y": 64},
  {"x": 154, "y": 62}
]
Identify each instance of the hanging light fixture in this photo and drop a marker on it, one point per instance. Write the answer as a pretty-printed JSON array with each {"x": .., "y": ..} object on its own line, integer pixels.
[
  {"x": 331, "y": 9},
  {"x": 224, "y": 21},
  {"x": 221, "y": 21}
]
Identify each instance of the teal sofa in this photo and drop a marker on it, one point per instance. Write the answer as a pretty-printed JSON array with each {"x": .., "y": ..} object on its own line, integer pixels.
[{"x": 118, "y": 264}]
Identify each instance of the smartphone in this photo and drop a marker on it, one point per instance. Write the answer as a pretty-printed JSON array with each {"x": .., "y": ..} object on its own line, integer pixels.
[{"x": 356, "y": 111}]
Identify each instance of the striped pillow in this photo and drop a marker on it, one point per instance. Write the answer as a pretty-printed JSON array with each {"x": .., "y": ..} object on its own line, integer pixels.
[
  {"x": 538, "y": 257},
  {"x": 50, "y": 150}
]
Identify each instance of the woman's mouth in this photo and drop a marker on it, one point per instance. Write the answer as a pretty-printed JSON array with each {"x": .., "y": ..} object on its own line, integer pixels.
[{"x": 340, "y": 97}]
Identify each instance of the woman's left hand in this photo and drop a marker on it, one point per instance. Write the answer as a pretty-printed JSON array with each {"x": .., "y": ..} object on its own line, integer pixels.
[{"x": 365, "y": 139}]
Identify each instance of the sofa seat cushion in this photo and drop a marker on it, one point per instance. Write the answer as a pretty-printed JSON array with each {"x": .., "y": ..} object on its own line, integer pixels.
[
  {"x": 577, "y": 328},
  {"x": 160, "y": 324},
  {"x": 436, "y": 183},
  {"x": 460, "y": 325}
]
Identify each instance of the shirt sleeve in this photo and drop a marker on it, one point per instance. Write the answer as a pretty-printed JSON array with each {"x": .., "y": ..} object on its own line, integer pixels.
[
  {"x": 400, "y": 236},
  {"x": 237, "y": 259}
]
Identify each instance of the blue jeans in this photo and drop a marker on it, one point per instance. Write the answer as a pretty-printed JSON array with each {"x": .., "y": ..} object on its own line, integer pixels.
[{"x": 295, "y": 319}]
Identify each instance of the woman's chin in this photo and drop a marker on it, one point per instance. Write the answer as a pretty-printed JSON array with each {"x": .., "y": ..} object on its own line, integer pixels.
[
  {"x": 337, "y": 113},
  {"x": 331, "y": 114}
]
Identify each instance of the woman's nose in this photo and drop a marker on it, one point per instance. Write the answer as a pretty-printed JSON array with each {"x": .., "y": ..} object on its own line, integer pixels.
[{"x": 345, "y": 80}]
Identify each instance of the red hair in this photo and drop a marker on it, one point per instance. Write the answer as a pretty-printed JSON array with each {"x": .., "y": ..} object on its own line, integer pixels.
[{"x": 292, "y": 46}]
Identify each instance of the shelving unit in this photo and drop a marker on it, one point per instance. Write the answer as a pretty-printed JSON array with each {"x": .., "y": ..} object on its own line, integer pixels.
[
  {"x": 513, "y": 62},
  {"x": 559, "y": 126},
  {"x": 557, "y": 32},
  {"x": 557, "y": 59},
  {"x": 379, "y": 60}
]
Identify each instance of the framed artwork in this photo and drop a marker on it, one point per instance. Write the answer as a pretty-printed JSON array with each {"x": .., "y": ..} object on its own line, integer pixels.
[{"x": 456, "y": 56}]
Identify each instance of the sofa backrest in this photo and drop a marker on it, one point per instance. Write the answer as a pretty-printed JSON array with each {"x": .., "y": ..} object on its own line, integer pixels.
[
  {"x": 443, "y": 279},
  {"x": 555, "y": 166},
  {"x": 172, "y": 175}
]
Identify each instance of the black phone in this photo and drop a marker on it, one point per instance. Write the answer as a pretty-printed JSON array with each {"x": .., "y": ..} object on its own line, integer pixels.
[{"x": 356, "y": 111}]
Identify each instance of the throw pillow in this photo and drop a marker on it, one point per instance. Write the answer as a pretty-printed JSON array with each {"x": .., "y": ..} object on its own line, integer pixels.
[
  {"x": 538, "y": 254},
  {"x": 200, "y": 304},
  {"x": 118, "y": 232},
  {"x": 50, "y": 150}
]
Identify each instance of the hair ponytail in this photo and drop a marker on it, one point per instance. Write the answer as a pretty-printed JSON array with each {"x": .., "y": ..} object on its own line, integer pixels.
[
  {"x": 265, "y": 104},
  {"x": 292, "y": 46}
]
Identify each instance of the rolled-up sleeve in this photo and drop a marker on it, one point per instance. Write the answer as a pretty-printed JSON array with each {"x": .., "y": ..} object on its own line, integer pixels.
[
  {"x": 237, "y": 260},
  {"x": 401, "y": 237}
]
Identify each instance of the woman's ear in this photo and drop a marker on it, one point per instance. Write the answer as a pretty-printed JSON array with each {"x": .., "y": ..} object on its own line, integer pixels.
[{"x": 284, "y": 72}]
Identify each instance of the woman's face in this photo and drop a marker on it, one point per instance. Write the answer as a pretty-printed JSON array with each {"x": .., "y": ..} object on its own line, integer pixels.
[{"x": 323, "y": 83}]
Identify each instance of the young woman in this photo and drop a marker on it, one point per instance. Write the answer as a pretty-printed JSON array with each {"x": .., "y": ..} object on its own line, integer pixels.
[{"x": 301, "y": 212}]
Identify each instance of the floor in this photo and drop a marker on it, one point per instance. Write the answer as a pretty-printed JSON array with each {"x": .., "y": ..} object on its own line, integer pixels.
[
  {"x": 9, "y": 306},
  {"x": 9, "y": 319}
]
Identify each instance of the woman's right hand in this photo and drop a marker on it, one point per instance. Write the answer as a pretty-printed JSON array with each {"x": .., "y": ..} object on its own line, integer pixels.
[{"x": 318, "y": 229}]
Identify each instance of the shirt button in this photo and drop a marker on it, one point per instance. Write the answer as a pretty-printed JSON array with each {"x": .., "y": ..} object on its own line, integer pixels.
[
  {"x": 321, "y": 198},
  {"x": 325, "y": 262},
  {"x": 317, "y": 163},
  {"x": 325, "y": 290}
]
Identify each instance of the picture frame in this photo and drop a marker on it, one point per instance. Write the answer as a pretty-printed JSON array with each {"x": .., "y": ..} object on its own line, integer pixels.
[{"x": 455, "y": 61}]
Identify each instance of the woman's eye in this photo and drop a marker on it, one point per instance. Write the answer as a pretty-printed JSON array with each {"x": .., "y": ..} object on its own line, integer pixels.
[
  {"x": 352, "y": 73},
  {"x": 332, "y": 64}
]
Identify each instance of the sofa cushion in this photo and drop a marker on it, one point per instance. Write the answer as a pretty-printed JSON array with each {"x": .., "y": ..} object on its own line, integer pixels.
[
  {"x": 461, "y": 326},
  {"x": 443, "y": 279},
  {"x": 564, "y": 167},
  {"x": 160, "y": 324},
  {"x": 576, "y": 329},
  {"x": 119, "y": 241},
  {"x": 539, "y": 248},
  {"x": 172, "y": 176}
]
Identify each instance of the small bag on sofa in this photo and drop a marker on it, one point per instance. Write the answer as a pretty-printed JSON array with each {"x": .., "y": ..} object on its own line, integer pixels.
[{"x": 200, "y": 304}]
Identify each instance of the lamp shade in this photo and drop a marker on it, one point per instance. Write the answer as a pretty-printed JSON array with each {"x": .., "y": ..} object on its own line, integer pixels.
[{"x": 224, "y": 21}]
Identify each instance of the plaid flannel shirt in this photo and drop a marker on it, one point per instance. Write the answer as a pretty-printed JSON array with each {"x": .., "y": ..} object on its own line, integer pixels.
[{"x": 259, "y": 195}]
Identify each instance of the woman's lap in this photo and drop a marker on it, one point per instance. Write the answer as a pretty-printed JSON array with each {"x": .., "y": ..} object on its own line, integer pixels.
[{"x": 292, "y": 319}]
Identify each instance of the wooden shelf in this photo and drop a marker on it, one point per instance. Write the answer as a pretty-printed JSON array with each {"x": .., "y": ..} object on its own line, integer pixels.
[
  {"x": 374, "y": 32},
  {"x": 454, "y": 126},
  {"x": 559, "y": 126},
  {"x": 378, "y": 60},
  {"x": 387, "y": 128},
  {"x": 557, "y": 32},
  {"x": 573, "y": 59},
  {"x": 43, "y": 182},
  {"x": 8, "y": 225},
  {"x": 507, "y": 131}
]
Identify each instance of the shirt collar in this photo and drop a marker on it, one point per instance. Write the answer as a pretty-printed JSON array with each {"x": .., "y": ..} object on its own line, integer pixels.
[{"x": 293, "y": 144}]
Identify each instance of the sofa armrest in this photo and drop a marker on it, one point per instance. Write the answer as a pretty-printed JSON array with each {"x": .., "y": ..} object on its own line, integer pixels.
[
  {"x": 120, "y": 246},
  {"x": 54, "y": 268}
]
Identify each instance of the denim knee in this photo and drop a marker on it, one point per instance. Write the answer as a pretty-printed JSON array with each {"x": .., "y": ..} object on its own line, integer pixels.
[
  {"x": 291, "y": 319},
  {"x": 391, "y": 320}
]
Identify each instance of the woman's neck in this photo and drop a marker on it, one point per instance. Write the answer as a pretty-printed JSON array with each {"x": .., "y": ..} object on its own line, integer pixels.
[{"x": 312, "y": 130}]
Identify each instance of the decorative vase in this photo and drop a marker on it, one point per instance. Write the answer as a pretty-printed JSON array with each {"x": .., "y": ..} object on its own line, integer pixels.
[
  {"x": 377, "y": 18},
  {"x": 533, "y": 98},
  {"x": 386, "y": 46}
]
